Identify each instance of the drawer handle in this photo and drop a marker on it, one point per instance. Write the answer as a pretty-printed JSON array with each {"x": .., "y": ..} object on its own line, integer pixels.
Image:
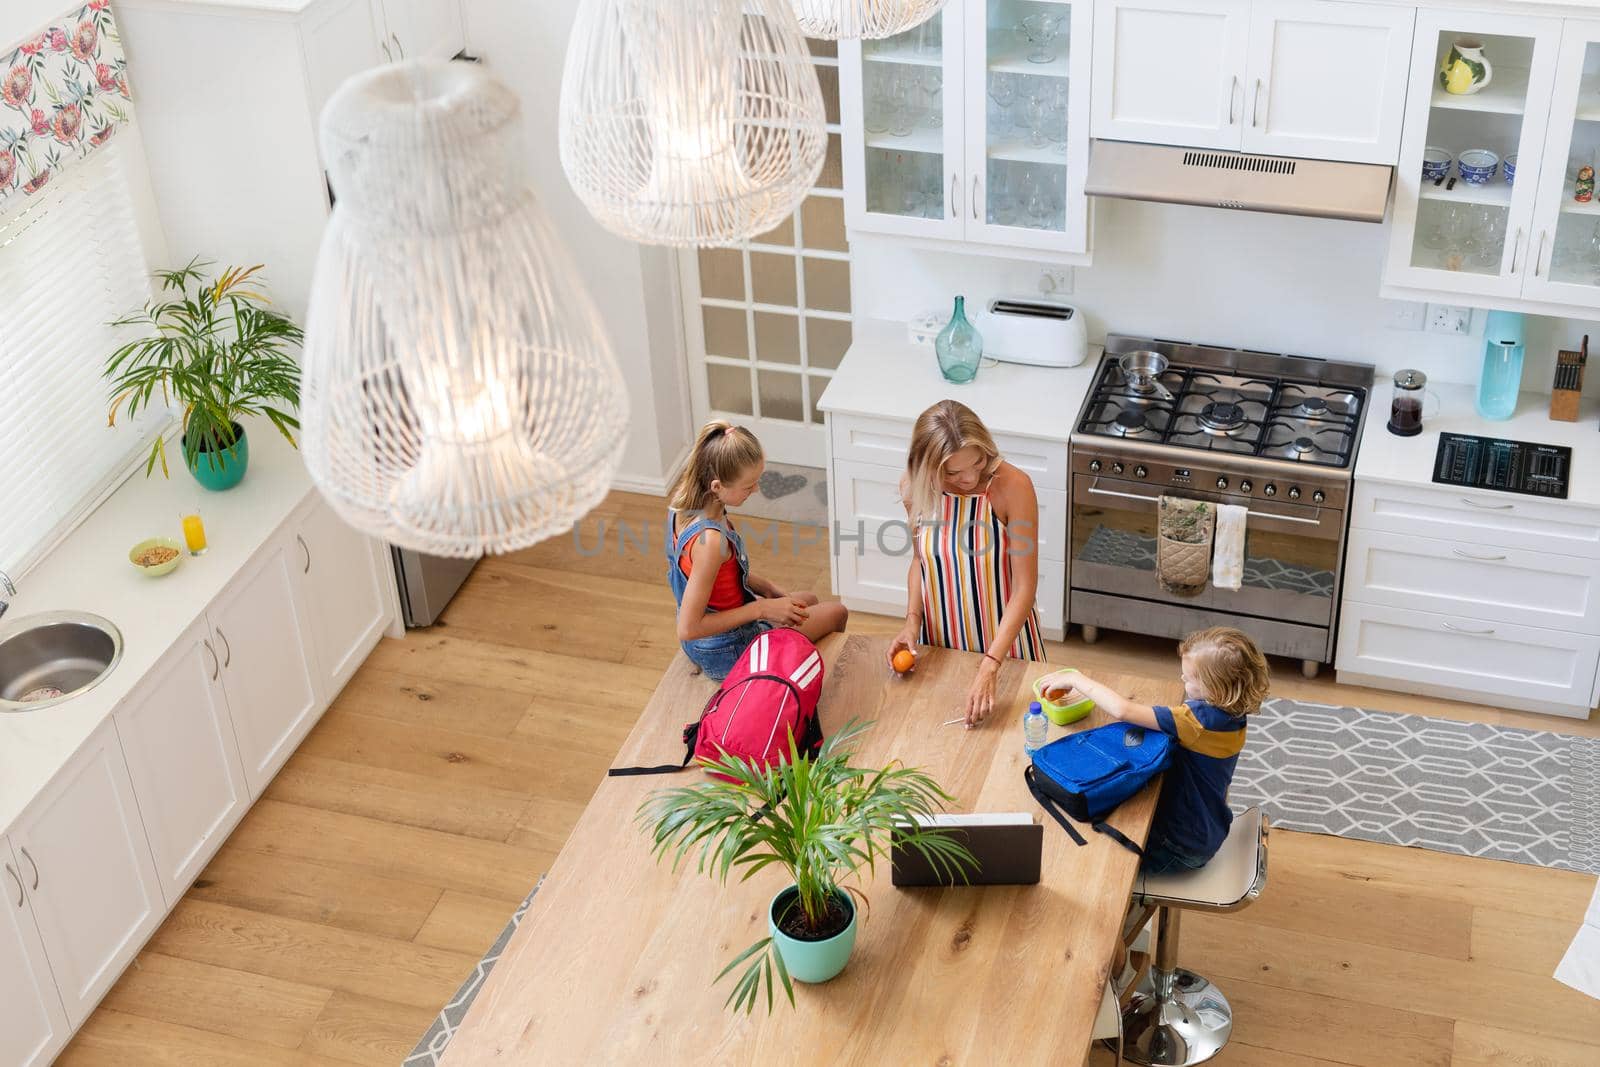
[
  {"x": 216, "y": 664},
  {"x": 1481, "y": 559},
  {"x": 1448, "y": 625},
  {"x": 307, "y": 550},
  {"x": 32, "y": 864},
  {"x": 12, "y": 871},
  {"x": 1471, "y": 503},
  {"x": 227, "y": 649}
]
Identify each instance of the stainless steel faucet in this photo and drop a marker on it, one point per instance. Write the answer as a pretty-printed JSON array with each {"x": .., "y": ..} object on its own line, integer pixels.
[{"x": 6, "y": 590}]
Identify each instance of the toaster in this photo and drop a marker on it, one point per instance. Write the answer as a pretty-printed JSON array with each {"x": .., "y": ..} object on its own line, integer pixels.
[{"x": 1034, "y": 330}]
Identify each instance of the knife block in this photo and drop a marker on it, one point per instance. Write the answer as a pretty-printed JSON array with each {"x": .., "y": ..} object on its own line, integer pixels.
[{"x": 1568, "y": 391}]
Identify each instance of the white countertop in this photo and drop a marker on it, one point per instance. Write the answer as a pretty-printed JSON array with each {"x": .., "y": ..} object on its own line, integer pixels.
[
  {"x": 1386, "y": 457},
  {"x": 90, "y": 572},
  {"x": 887, "y": 376}
]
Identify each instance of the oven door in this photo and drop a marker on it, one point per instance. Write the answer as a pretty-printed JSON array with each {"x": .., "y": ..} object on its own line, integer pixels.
[{"x": 1291, "y": 564}]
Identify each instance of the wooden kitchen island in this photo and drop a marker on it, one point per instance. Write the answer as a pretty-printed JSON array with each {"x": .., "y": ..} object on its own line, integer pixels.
[{"x": 615, "y": 960}]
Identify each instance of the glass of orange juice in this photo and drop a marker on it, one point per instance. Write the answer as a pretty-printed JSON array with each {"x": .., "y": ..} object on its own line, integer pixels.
[{"x": 194, "y": 531}]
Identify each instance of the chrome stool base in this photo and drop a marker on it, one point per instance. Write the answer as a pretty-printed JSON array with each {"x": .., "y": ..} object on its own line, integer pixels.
[{"x": 1188, "y": 1025}]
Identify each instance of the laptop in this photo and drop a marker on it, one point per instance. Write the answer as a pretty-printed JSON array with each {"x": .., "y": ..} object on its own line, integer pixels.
[{"x": 1007, "y": 846}]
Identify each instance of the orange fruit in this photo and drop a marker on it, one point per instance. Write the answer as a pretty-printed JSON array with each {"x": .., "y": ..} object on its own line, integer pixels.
[{"x": 904, "y": 660}]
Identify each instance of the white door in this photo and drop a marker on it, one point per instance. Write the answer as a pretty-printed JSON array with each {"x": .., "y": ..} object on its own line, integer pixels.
[
  {"x": 33, "y": 1024},
  {"x": 339, "y": 39},
  {"x": 1470, "y": 238},
  {"x": 1171, "y": 71},
  {"x": 90, "y": 879},
  {"x": 1027, "y": 128},
  {"x": 1327, "y": 79},
  {"x": 338, "y": 574},
  {"x": 1564, "y": 265},
  {"x": 178, "y": 740},
  {"x": 261, "y": 629}
]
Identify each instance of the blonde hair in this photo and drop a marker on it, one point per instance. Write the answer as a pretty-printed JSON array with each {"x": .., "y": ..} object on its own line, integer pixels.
[
  {"x": 721, "y": 452},
  {"x": 942, "y": 431},
  {"x": 1230, "y": 667}
]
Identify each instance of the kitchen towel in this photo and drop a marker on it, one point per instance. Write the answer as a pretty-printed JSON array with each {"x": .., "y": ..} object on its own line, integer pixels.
[
  {"x": 1227, "y": 554},
  {"x": 1580, "y": 967},
  {"x": 1183, "y": 544}
]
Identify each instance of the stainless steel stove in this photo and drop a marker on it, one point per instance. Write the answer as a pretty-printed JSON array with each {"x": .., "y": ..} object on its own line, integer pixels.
[{"x": 1277, "y": 434}]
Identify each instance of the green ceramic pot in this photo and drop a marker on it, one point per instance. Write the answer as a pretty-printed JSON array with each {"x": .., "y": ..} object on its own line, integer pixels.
[
  {"x": 221, "y": 470},
  {"x": 812, "y": 961}
]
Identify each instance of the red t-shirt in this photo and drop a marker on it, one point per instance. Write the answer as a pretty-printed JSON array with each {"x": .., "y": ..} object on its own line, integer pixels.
[{"x": 727, "y": 591}]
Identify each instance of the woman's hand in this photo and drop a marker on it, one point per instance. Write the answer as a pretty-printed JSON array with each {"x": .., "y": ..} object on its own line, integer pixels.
[
  {"x": 905, "y": 640},
  {"x": 783, "y": 611},
  {"x": 980, "y": 694}
]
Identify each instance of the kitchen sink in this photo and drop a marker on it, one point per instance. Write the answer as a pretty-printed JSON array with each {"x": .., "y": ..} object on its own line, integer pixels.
[{"x": 53, "y": 656}]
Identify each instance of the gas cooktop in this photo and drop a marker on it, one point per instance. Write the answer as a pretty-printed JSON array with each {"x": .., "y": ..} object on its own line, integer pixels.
[{"x": 1231, "y": 401}]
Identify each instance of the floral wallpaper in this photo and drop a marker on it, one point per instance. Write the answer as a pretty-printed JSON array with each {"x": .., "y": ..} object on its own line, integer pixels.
[{"x": 62, "y": 95}]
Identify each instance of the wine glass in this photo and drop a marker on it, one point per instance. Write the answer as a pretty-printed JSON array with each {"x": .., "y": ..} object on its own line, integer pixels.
[
  {"x": 902, "y": 113},
  {"x": 933, "y": 85},
  {"x": 1039, "y": 30},
  {"x": 1058, "y": 119},
  {"x": 878, "y": 104},
  {"x": 1038, "y": 119},
  {"x": 1003, "y": 91},
  {"x": 1000, "y": 206},
  {"x": 1591, "y": 252}
]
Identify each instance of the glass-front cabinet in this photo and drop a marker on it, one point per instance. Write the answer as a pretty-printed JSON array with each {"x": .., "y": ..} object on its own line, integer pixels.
[
  {"x": 972, "y": 127},
  {"x": 1565, "y": 263}
]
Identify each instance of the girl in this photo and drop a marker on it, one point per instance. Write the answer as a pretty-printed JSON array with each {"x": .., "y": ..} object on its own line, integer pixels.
[
  {"x": 974, "y": 572},
  {"x": 722, "y": 607},
  {"x": 1225, "y": 678}
]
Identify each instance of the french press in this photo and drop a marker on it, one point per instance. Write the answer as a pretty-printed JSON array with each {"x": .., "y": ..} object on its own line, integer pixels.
[{"x": 1405, "y": 412}]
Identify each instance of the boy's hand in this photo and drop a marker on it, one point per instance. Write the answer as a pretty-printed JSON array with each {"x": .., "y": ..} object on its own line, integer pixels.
[{"x": 1063, "y": 679}]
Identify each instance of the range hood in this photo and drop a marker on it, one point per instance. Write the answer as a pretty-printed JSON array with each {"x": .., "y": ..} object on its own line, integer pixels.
[{"x": 1206, "y": 177}]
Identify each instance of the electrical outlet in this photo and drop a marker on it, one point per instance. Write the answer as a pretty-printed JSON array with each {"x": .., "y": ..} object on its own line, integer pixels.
[
  {"x": 1404, "y": 314},
  {"x": 1055, "y": 281},
  {"x": 1443, "y": 318}
]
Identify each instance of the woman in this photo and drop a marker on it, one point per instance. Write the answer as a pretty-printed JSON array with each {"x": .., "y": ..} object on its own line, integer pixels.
[{"x": 974, "y": 570}]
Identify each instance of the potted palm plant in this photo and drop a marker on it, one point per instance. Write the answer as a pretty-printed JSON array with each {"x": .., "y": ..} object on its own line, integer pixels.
[
  {"x": 216, "y": 348},
  {"x": 821, "y": 819}
]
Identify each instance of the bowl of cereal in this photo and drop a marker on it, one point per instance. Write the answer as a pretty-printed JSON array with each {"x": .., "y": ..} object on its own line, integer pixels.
[{"x": 156, "y": 556}]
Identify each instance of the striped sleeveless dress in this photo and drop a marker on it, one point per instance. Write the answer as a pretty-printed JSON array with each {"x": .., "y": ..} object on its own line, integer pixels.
[{"x": 966, "y": 578}]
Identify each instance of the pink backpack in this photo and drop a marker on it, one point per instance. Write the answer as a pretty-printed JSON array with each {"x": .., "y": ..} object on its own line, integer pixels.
[{"x": 771, "y": 692}]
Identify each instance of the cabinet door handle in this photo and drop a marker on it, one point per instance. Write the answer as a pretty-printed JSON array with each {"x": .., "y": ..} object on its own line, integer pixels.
[
  {"x": 1537, "y": 256},
  {"x": 216, "y": 664},
  {"x": 1233, "y": 92},
  {"x": 1471, "y": 503},
  {"x": 1255, "y": 105},
  {"x": 1481, "y": 559},
  {"x": 386, "y": 53},
  {"x": 17, "y": 878},
  {"x": 974, "y": 196},
  {"x": 32, "y": 864},
  {"x": 1448, "y": 625},
  {"x": 1516, "y": 244},
  {"x": 398, "y": 47},
  {"x": 955, "y": 212},
  {"x": 227, "y": 649},
  {"x": 307, "y": 550}
]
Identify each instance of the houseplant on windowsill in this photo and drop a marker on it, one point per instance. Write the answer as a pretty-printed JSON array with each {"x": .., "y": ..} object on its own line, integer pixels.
[
  {"x": 819, "y": 818},
  {"x": 217, "y": 349}
]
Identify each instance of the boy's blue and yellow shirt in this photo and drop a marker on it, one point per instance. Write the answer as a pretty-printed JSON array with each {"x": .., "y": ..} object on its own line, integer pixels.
[{"x": 1192, "y": 814}]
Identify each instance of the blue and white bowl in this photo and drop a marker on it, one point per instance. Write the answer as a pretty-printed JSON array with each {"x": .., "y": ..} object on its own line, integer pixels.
[
  {"x": 1477, "y": 165},
  {"x": 1435, "y": 163},
  {"x": 1510, "y": 169}
]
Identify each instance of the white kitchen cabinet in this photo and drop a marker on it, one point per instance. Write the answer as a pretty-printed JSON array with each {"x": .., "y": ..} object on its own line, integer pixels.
[
  {"x": 33, "y": 1024},
  {"x": 178, "y": 739},
  {"x": 1327, "y": 80},
  {"x": 89, "y": 875},
  {"x": 416, "y": 29},
  {"x": 1171, "y": 71},
  {"x": 262, "y": 632},
  {"x": 347, "y": 601},
  {"x": 961, "y": 130},
  {"x": 1476, "y": 516}
]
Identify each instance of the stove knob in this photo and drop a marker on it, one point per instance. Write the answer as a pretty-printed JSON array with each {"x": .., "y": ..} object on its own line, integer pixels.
[
  {"x": 1116, "y": 468},
  {"x": 1270, "y": 489},
  {"x": 1318, "y": 496},
  {"x": 1246, "y": 485},
  {"x": 1094, "y": 466},
  {"x": 1222, "y": 483},
  {"x": 1139, "y": 471},
  {"x": 1294, "y": 492}
]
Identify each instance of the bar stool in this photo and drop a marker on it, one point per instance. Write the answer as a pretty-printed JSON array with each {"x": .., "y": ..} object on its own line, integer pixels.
[{"x": 1176, "y": 1018}]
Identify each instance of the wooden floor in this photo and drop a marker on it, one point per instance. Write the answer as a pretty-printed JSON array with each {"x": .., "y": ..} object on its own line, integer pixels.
[{"x": 389, "y": 852}]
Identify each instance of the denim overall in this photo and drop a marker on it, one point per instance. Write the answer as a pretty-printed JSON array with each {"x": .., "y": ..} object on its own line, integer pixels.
[{"x": 715, "y": 655}]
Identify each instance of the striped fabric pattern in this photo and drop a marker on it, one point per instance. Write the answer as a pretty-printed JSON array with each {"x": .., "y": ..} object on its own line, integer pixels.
[{"x": 966, "y": 579}]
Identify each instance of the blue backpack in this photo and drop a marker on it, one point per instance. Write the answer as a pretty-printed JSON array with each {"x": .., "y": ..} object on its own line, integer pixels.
[{"x": 1087, "y": 774}]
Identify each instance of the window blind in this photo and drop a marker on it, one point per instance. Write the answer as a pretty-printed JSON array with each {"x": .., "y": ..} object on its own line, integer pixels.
[{"x": 70, "y": 262}]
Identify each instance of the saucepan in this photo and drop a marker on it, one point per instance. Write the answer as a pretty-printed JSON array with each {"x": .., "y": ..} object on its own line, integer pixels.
[{"x": 1141, "y": 368}]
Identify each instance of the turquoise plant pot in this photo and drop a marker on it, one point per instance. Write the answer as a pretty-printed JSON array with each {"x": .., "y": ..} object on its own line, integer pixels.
[
  {"x": 217, "y": 471},
  {"x": 812, "y": 961}
]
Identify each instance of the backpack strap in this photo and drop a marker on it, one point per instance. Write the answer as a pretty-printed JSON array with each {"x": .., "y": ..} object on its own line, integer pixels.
[
  {"x": 1048, "y": 803},
  {"x": 1119, "y": 837},
  {"x": 691, "y": 734}
]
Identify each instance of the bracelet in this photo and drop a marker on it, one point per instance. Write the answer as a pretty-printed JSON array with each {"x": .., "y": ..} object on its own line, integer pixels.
[{"x": 997, "y": 662}]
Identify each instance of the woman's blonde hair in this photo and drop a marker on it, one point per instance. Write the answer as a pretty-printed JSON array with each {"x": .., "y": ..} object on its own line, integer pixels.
[
  {"x": 941, "y": 432},
  {"x": 721, "y": 452},
  {"x": 1230, "y": 667}
]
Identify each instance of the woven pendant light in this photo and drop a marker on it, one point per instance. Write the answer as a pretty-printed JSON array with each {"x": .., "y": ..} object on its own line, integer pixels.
[
  {"x": 690, "y": 122},
  {"x": 459, "y": 395},
  {"x": 839, "y": 20}
]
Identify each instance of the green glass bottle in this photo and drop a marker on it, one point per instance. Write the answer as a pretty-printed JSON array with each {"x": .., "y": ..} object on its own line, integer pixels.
[{"x": 960, "y": 347}]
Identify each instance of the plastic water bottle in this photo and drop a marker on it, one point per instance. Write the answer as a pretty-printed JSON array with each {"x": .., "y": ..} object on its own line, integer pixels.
[{"x": 1035, "y": 729}]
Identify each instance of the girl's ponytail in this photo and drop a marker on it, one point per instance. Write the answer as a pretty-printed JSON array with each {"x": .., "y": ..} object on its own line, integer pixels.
[{"x": 722, "y": 452}]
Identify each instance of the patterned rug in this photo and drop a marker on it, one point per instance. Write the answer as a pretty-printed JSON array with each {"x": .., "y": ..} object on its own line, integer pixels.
[
  {"x": 1123, "y": 548},
  {"x": 1529, "y": 796},
  {"x": 430, "y": 1050},
  {"x": 789, "y": 493}
]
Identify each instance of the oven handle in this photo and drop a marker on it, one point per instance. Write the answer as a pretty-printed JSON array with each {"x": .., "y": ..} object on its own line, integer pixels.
[{"x": 1097, "y": 491}]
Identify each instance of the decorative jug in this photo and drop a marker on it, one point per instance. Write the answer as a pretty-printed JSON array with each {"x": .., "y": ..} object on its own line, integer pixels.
[
  {"x": 1465, "y": 69},
  {"x": 960, "y": 347}
]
